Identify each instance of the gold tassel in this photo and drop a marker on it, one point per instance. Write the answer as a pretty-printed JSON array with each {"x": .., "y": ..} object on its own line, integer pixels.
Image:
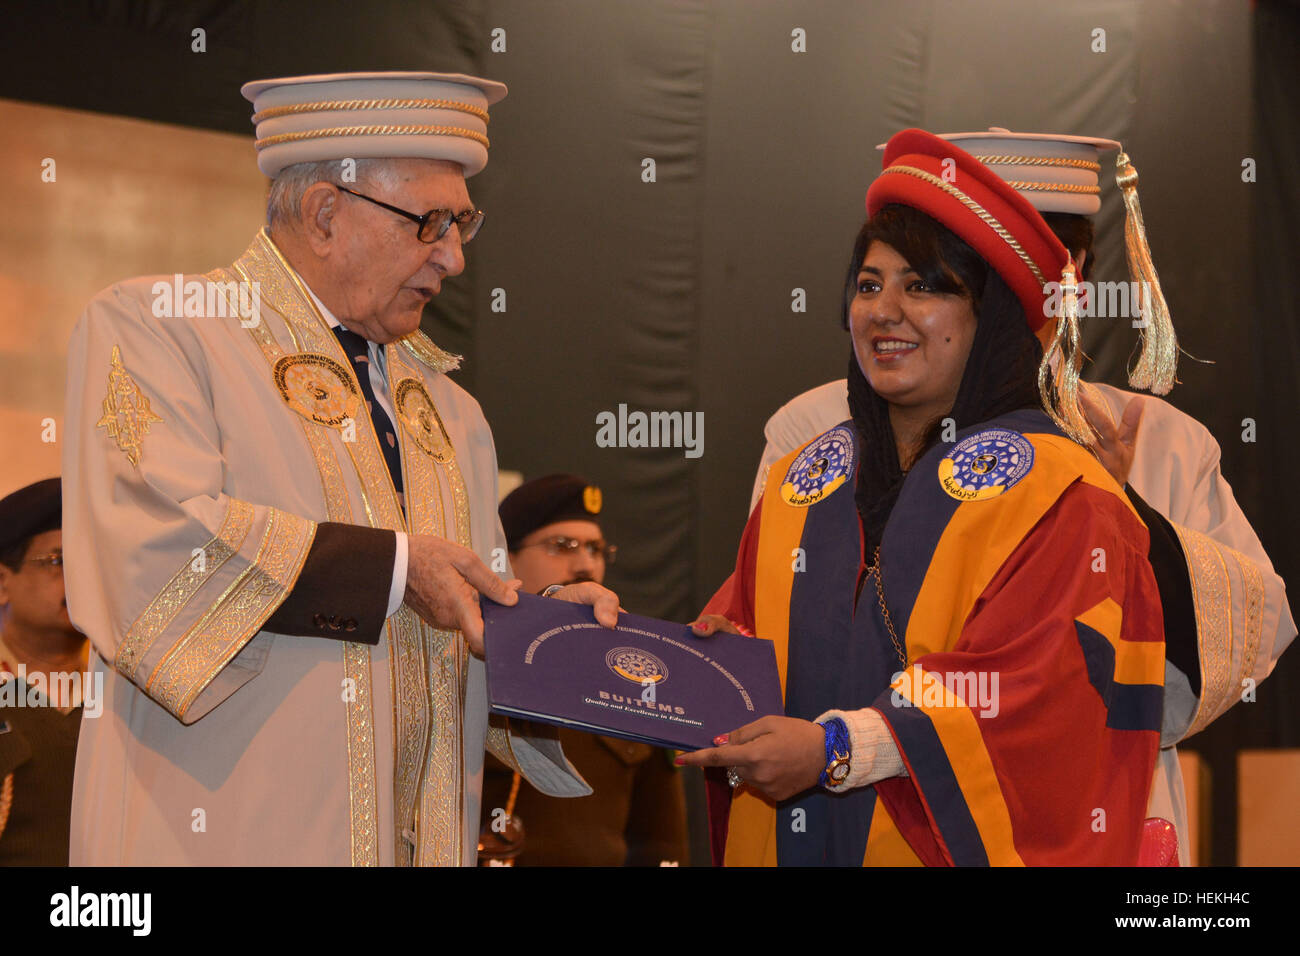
[
  {"x": 1158, "y": 363},
  {"x": 1060, "y": 390}
]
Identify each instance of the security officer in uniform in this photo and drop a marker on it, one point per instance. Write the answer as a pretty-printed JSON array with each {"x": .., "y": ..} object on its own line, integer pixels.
[
  {"x": 40, "y": 714},
  {"x": 637, "y": 813}
]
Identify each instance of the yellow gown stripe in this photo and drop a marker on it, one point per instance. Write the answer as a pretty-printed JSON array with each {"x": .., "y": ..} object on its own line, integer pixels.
[
  {"x": 751, "y": 830},
  {"x": 972, "y": 549},
  {"x": 1136, "y": 662},
  {"x": 977, "y": 542},
  {"x": 963, "y": 744},
  {"x": 775, "y": 582},
  {"x": 885, "y": 843}
]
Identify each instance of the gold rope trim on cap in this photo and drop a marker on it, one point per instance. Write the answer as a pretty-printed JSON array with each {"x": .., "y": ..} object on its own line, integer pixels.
[
  {"x": 1023, "y": 186},
  {"x": 294, "y": 109},
  {"x": 1158, "y": 362},
  {"x": 1037, "y": 161},
  {"x": 372, "y": 131},
  {"x": 973, "y": 206}
]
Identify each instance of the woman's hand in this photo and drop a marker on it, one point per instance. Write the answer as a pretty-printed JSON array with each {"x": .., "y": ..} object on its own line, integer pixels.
[
  {"x": 779, "y": 756},
  {"x": 707, "y": 624}
]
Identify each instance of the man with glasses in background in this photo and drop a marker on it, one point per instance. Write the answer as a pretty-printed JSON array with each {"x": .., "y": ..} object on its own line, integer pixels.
[
  {"x": 637, "y": 813},
  {"x": 42, "y": 666}
]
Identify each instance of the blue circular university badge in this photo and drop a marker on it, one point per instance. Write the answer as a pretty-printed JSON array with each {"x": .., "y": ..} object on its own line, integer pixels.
[
  {"x": 986, "y": 464},
  {"x": 820, "y": 468}
]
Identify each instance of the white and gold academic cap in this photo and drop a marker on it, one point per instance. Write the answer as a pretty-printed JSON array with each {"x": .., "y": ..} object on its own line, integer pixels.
[
  {"x": 1055, "y": 173},
  {"x": 307, "y": 119},
  {"x": 1059, "y": 173}
]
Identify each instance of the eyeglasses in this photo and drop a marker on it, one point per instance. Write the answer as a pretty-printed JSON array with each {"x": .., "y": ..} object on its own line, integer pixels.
[
  {"x": 433, "y": 225},
  {"x": 52, "y": 560},
  {"x": 562, "y": 546}
]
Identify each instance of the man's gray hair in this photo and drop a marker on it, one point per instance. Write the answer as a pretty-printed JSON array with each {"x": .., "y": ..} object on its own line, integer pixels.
[{"x": 284, "y": 200}]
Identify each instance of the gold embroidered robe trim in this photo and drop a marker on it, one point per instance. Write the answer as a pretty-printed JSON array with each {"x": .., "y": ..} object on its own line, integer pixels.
[
  {"x": 1228, "y": 599},
  {"x": 362, "y": 799},
  {"x": 439, "y": 822},
  {"x": 1253, "y": 581},
  {"x": 307, "y": 330},
  {"x": 180, "y": 590},
  {"x": 213, "y": 641},
  {"x": 498, "y": 745},
  {"x": 427, "y": 667},
  {"x": 414, "y": 706},
  {"x": 266, "y": 265},
  {"x": 332, "y": 487}
]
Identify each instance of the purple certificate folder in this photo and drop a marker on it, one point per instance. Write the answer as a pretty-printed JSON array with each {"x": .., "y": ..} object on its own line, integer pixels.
[{"x": 649, "y": 681}]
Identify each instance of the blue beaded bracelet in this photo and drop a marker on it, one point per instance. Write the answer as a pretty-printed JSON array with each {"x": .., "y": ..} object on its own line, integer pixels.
[{"x": 837, "y": 749}]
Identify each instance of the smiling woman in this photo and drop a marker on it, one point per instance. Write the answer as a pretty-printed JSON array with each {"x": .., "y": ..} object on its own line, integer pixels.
[
  {"x": 971, "y": 505},
  {"x": 973, "y": 356},
  {"x": 911, "y": 339}
]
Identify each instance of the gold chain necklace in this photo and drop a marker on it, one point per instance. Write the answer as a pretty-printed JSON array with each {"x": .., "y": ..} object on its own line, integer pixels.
[{"x": 874, "y": 570}]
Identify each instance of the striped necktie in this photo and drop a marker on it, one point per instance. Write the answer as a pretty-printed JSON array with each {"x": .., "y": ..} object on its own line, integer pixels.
[{"x": 355, "y": 347}]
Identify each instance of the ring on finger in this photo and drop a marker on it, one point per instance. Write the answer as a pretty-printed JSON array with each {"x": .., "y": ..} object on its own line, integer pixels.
[{"x": 734, "y": 779}]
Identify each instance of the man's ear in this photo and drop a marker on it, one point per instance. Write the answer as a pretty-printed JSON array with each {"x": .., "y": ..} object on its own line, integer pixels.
[
  {"x": 317, "y": 208},
  {"x": 5, "y": 574}
]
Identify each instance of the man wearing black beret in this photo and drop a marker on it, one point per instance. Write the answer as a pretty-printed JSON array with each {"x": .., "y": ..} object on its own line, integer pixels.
[
  {"x": 637, "y": 813},
  {"x": 42, "y": 665}
]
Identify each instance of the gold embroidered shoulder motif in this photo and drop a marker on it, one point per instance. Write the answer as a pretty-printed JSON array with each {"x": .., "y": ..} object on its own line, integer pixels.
[
  {"x": 422, "y": 347},
  {"x": 127, "y": 415},
  {"x": 421, "y": 419}
]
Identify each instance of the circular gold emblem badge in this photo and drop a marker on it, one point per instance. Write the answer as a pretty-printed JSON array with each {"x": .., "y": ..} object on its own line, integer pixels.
[
  {"x": 421, "y": 420},
  {"x": 635, "y": 665},
  {"x": 591, "y": 499},
  {"x": 317, "y": 387}
]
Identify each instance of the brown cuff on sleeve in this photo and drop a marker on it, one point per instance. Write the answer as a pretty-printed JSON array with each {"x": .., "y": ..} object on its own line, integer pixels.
[{"x": 343, "y": 589}]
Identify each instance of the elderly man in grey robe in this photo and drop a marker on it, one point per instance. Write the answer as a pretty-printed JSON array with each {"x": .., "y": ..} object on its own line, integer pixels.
[
  {"x": 1227, "y": 619},
  {"x": 280, "y": 513}
]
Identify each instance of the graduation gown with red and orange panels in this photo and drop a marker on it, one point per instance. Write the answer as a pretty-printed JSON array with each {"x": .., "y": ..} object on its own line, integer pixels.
[{"x": 1041, "y": 590}]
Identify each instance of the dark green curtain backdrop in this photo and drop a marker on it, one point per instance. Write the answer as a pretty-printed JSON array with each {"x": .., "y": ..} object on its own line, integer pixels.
[{"x": 676, "y": 294}]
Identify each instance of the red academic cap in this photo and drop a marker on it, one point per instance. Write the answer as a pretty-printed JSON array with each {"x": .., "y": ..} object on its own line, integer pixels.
[{"x": 950, "y": 185}]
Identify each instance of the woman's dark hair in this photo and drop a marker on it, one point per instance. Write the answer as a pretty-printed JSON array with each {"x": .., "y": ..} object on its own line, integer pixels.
[
  {"x": 943, "y": 261},
  {"x": 1001, "y": 372}
]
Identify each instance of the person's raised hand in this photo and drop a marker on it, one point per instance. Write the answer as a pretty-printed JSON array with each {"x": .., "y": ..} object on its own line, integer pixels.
[
  {"x": 1114, "y": 444},
  {"x": 443, "y": 582}
]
